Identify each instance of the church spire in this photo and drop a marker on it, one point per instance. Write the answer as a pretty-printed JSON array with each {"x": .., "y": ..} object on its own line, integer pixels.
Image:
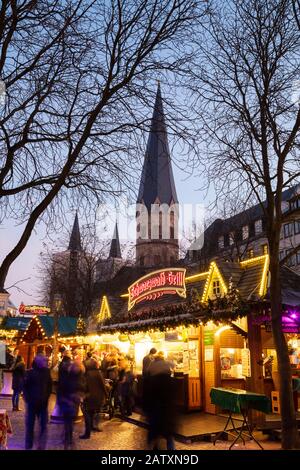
[
  {"x": 75, "y": 241},
  {"x": 115, "y": 250},
  {"x": 157, "y": 181}
]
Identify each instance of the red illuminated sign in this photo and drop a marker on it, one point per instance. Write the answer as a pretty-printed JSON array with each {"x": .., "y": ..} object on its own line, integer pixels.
[
  {"x": 33, "y": 309},
  {"x": 156, "y": 284}
]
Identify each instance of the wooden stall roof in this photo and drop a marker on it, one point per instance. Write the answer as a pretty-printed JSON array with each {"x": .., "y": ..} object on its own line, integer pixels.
[
  {"x": 249, "y": 277},
  {"x": 43, "y": 327}
]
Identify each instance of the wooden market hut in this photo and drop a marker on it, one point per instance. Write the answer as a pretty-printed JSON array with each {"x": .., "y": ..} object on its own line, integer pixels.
[
  {"x": 215, "y": 301},
  {"x": 12, "y": 329},
  {"x": 39, "y": 335}
]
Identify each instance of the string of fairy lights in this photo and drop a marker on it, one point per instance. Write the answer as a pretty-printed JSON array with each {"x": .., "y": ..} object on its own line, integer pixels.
[
  {"x": 193, "y": 312},
  {"x": 227, "y": 307}
]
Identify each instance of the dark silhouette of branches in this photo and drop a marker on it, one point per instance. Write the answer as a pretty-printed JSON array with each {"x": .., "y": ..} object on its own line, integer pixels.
[
  {"x": 244, "y": 81},
  {"x": 79, "y": 76}
]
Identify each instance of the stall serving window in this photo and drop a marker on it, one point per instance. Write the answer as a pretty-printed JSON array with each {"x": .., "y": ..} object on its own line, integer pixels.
[
  {"x": 231, "y": 346},
  {"x": 178, "y": 349},
  {"x": 231, "y": 363},
  {"x": 294, "y": 352}
]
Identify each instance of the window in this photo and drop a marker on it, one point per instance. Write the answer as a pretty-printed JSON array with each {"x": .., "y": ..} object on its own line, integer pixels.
[
  {"x": 298, "y": 257},
  {"x": 265, "y": 249},
  {"x": 250, "y": 253},
  {"x": 231, "y": 363},
  {"x": 281, "y": 233},
  {"x": 231, "y": 238},
  {"x": 295, "y": 204},
  {"x": 290, "y": 261},
  {"x": 238, "y": 235},
  {"x": 292, "y": 205},
  {"x": 157, "y": 259},
  {"x": 281, "y": 255},
  {"x": 160, "y": 226},
  {"x": 142, "y": 260},
  {"x": 258, "y": 226},
  {"x": 288, "y": 229},
  {"x": 245, "y": 231},
  {"x": 251, "y": 230},
  {"x": 297, "y": 226},
  {"x": 216, "y": 287},
  {"x": 221, "y": 242},
  {"x": 172, "y": 223},
  {"x": 2, "y": 305}
]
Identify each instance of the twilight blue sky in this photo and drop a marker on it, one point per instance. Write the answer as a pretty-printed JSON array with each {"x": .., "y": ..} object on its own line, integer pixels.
[{"x": 27, "y": 263}]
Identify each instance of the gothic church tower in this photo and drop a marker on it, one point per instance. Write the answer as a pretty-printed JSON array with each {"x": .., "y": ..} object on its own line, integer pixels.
[{"x": 157, "y": 204}]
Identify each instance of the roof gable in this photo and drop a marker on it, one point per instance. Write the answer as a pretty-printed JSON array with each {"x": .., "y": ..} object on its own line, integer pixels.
[
  {"x": 43, "y": 327},
  {"x": 212, "y": 273}
]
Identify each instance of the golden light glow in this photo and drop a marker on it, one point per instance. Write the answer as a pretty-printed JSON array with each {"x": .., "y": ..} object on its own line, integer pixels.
[
  {"x": 192, "y": 278},
  {"x": 253, "y": 260},
  {"x": 8, "y": 333},
  {"x": 264, "y": 278},
  {"x": 213, "y": 271},
  {"x": 149, "y": 291},
  {"x": 196, "y": 276},
  {"x": 220, "y": 330},
  {"x": 104, "y": 313}
]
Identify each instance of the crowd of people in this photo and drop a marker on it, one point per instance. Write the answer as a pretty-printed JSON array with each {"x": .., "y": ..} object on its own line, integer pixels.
[
  {"x": 87, "y": 384},
  {"x": 77, "y": 383}
]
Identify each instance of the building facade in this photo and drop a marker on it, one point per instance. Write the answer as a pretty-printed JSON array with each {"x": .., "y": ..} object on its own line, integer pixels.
[{"x": 243, "y": 235}]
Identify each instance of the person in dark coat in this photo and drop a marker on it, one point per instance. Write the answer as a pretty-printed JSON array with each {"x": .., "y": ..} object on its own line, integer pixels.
[
  {"x": 145, "y": 376},
  {"x": 37, "y": 390},
  {"x": 161, "y": 407},
  {"x": 70, "y": 391},
  {"x": 18, "y": 375},
  {"x": 104, "y": 365},
  {"x": 148, "y": 360},
  {"x": 125, "y": 388},
  {"x": 95, "y": 394},
  {"x": 112, "y": 369}
]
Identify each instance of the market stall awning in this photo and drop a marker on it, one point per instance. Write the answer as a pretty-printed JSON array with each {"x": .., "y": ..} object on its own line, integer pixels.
[
  {"x": 43, "y": 327},
  {"x": 66, "y": 325},
  {"x": 15, "y": 323}
]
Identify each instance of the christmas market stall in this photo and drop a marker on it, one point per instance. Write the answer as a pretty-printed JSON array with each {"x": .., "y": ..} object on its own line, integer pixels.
[
  {"x": 204, "y": 322},
  {"x": 44, "y": 331},
  {"x": 11, "y": 331}
]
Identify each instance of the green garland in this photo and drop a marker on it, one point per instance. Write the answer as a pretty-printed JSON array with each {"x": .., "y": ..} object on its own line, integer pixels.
[{"x": 219, "y": 310}]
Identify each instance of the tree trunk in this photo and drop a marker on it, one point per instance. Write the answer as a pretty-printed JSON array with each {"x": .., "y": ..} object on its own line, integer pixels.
[
  {"x": 255, "y": 382},
  {"x": 290, "y": 436}
]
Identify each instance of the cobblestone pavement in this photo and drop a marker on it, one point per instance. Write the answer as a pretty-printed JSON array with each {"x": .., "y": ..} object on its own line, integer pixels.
[{"x": 116, "y": 435}]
